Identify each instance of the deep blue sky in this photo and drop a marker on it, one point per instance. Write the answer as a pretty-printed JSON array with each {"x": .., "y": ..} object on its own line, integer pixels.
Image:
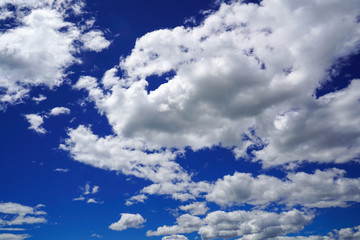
[{"x": 36, "y": 170}]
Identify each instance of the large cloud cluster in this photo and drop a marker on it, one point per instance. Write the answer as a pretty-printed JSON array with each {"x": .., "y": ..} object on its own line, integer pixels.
[
  {"x": 38, "y": 43},
  {"x": 15, "y": 214},
  {"x": 252, "y": 225},
  {"x": 322, "y": 189},
  {"x": 244, "y": 79},
  {"x": 246, "y": 68}
]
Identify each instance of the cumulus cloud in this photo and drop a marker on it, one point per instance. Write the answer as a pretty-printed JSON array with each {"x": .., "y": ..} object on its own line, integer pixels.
[
  {"x": 95, "y": 41},
  {"x": 196, "y": 208},
  {"x": 41, "y": 46},
  {"x": 128, "y": 220},
  {"x": 36, "y": 122},
  {"x": 245, "y": 78},
  {"x": 342, "y": 234},
  {"x": 185, "y": 224},
  {"x": 322, "y": 189},
  {"x": 247, "y": 224},
  {"x": 114, "y": 153},
  {"x": 232, "y": 73},
  {"x": 10, "y": 236},
  {"x": 175, "y": 237},
  {"x": 21, "y": 214},
  {"x": 314, "y": 132},
  {"x": 59, "y": 111}
]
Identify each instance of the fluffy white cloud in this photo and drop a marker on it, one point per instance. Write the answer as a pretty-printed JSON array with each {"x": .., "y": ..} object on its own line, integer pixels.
[
  {"x": 348, "y": 233},
  {"x": 39, "y": 49},
  {"x": 128, "y": 220},
  {"x": 185, "y": 224},
  {"x": 95, "y": 41},
  {"x": 342, "y": 234},
  {"x": 129, "y": 156},
  {"x": 170, "y": 179},
  {"x": 175, "y": 237},
  {"x": 21, "y": 214},
  {"x": 323, "y": 130},
  {"x": 36, "y": 122},
  {"x": 59, "y": 110},
  {"x": 322, "y": 189},
  {"x": 196, "y": 208},
  {"x": 247, "y": 224},
  {"x": 313, "y": 237},
  {"x": 10, "y": 236}
]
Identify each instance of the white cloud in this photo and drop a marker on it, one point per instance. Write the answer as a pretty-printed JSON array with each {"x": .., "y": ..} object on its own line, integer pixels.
[
  {"x": 313, "y": 237},
  {"x": 175, "y": 237},
  {"x": 128, "y": 220},
  {"x": 21, "y": 214},
  {"x": 81, "y": 198},
  {"x": 36, "y": 122},
  {"x": 41, "y": 47},
  {"x": 249, "y": 225},
  {"x": 64, "y": 170},
  {"x": 40, "y": 98},
  {"x": 348, "y": 233},
  {"x": 126, "y": 155},
  {"x": 196, "y": 208},
  {"x": 315, "y": 132},
  {"x": 322, "y": 189},
  {"x": 59, "y": 110},
  {"x": 88, "y": 190},
  {"x": 12, "y": 229},
  {"x": 95, "y": 189},
  {"x": 136, "y": 199},
  {"x": 15, "y": 208},
  {"x": 92, "y": 200},
  {"x": 95, "y": 41},
  {"x": 342, "y": 234},
  {"x": 185, "y": 224},
  {"x": 9, "y": 236}
]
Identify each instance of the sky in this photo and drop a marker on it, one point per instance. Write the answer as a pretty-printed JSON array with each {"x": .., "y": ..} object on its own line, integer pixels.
[{"x": 179, "y": 120}]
